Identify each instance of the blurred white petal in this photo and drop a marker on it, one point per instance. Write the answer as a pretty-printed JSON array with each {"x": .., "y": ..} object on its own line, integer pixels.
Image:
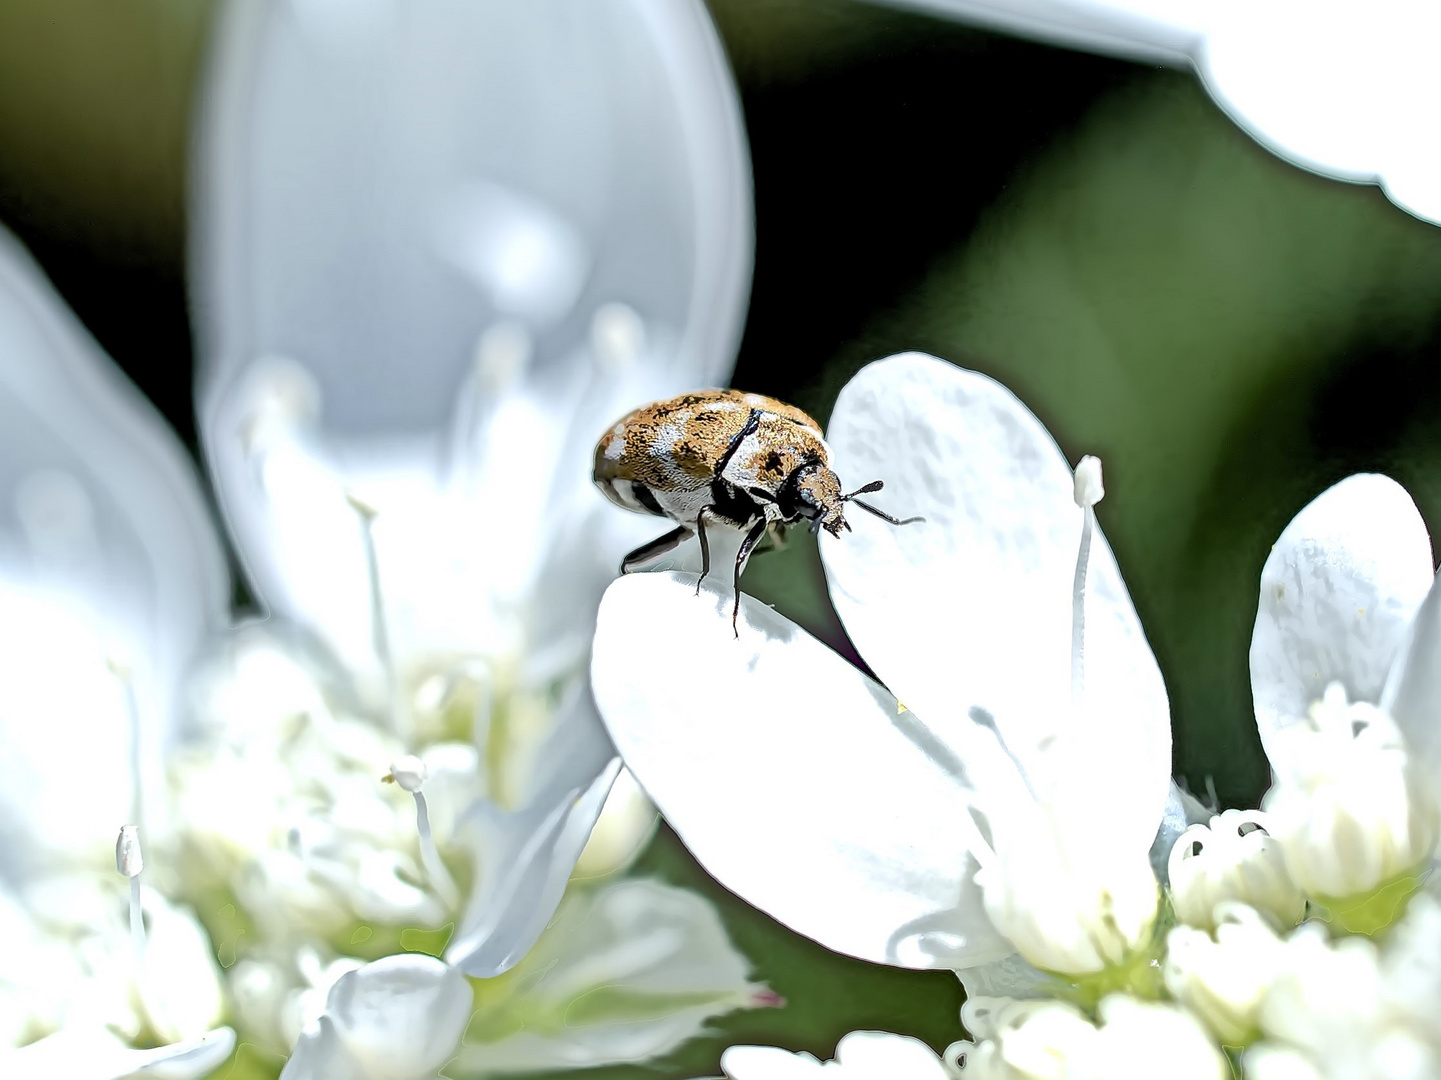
[
  {"x": 967, "y": 616},
  {"x": 861, "y": 1055},
  {"x": 109, "y": 571},
  {"x": 1149, "y": 31},
  {"x": 570, "y": 158},
  {"x": 791, "y": 776},
  {"x": 625, "y": 973},
  {"x": 85, "y": 1054},
  {"x": 400, "y": 1018},
  {"x": 524, "y": 857},
  {"x": 1338, "y": 594}
]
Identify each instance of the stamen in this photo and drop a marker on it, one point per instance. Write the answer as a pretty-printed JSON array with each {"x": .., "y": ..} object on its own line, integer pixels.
[
  {"x": 119, "y": 666},
  {"x": 399, "y": 715},
  {"x": 129, "y": 861},
  {"x": 1089, "y": 490},
  {"x": 410, "y": 773}
]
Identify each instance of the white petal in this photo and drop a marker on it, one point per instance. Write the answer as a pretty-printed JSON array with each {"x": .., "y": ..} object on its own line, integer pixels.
[
  {"x": 969, "y": 612},
  {"x": 1412, "y": 695},
  {"x": 1335, "y": 88},
  {"x": 400, "y": 1018},
  {"x": 1338, "y": 592},
  {"x": 107, "y": 560},
  {"x": 861, "y": 1055},
  {"x": 98, "y": 1055},
  {"x": 384, "y": 184},
  {"x": 1151, "y": 31},
  {"x": 791, "y": 776},
  {"x": 633, "y": 969},
  {"x": 525, "y": 857}
]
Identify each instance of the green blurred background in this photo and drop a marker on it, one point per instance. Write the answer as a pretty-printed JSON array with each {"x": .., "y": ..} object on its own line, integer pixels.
[{"x": 1229, "y": 333}]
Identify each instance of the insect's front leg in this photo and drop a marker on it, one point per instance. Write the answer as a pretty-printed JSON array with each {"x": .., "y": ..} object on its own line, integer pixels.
[
  {"x": 747, "y": 546},
  {"x": 704, "y": 547}
]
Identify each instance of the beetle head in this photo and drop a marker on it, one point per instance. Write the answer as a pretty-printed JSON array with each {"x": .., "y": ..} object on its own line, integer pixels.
[{"x": 813, "y": 492}]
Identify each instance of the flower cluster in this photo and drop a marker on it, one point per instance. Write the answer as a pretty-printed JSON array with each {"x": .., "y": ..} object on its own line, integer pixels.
[{"x": 1009, "y": 814}]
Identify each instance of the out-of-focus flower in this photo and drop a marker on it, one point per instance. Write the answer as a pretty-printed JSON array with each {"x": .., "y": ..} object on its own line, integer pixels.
[
  {"x": 1051, "y": 1040},
  {"x": 1344, "y": 657},
  {"x": 1233, "y": 859},
  {"x": 861, "y": 1055},
  {"x": 428, "y": 275},
  {"x": 1339, "y": 88},
  {"x": 109, "y": 578},
  {"x": 1352, "y": 1008},
  {"x": 1223, "y": 975},
  {"x": 1010, "y": 803},
  {"x": 439, "y": 247}
]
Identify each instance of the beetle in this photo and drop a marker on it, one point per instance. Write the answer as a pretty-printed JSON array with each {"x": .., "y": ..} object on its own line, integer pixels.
[{"x": 726, "y": 457}]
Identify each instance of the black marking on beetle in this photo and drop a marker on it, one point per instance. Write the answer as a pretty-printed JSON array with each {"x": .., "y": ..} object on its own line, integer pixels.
[
  {"x": 733, "y": 505},
  {"x": 753, "y": 421}
]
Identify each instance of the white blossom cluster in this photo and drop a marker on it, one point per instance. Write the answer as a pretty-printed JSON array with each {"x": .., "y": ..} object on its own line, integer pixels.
[
  {"x": 437, "y": 247},
  {"x": 1008, "y": 813}
]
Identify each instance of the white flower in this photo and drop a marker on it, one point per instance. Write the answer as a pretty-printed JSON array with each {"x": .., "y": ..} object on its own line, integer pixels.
[
  {"x": 1342, "y": 89},
  {"x": 1224, "y": 979},
  {"x": 370, "y": 297},
  {"x": 1234, "y": 858},
  {"x": 1344, "y": 657},
  {"x": 1351, "y": 1009},
  {"x": 428, "y": 273},
  {"x": 861, "y": 1055},
  {"x": 1010, "y": 803},
  {"x": 1051, "y": 1040}
]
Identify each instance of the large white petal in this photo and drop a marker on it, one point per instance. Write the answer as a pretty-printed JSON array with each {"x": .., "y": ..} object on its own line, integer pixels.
[
  {"x": 107, "y": 558},
  {"x": 77, "y": 1054},
  {"x": 1338, "y": 593},
  {"x": 792, "y": 777},
  {"x": 968, "y": 615},
  {"x": 401, "y": 203},
  {"x": 400, "y": 1018}
]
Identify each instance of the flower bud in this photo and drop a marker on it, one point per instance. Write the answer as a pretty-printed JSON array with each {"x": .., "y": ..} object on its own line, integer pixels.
[
  {"x": 1347, "y": 805},
  {"x": 1233, "y": 859},
  {"x": 1071, "y": 906},
  {"x": 1224, "y": 980}
]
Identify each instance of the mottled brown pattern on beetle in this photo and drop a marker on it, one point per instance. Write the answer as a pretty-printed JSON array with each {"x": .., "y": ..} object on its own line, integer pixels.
[{"x": 704, "y": 435}]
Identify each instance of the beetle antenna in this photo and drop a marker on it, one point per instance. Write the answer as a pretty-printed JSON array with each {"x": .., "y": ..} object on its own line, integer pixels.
[
  {"x": 874, "y": 485},
  {"x": 882, "y": 514}
]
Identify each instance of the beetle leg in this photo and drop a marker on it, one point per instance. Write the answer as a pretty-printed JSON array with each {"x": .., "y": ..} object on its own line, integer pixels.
[
  {"x": 747, "y": 546},
  {"x": 704, "y": 547},
  {"x": 659, "y": 546}
]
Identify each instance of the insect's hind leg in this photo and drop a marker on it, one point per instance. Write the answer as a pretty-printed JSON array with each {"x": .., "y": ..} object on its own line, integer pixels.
[
  {"x": 747, "y": 546},
  {"x": 659, "y": 546}
]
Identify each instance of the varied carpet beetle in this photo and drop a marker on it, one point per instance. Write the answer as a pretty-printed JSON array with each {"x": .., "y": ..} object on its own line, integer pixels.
[{"x": 724, "y": 457}]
